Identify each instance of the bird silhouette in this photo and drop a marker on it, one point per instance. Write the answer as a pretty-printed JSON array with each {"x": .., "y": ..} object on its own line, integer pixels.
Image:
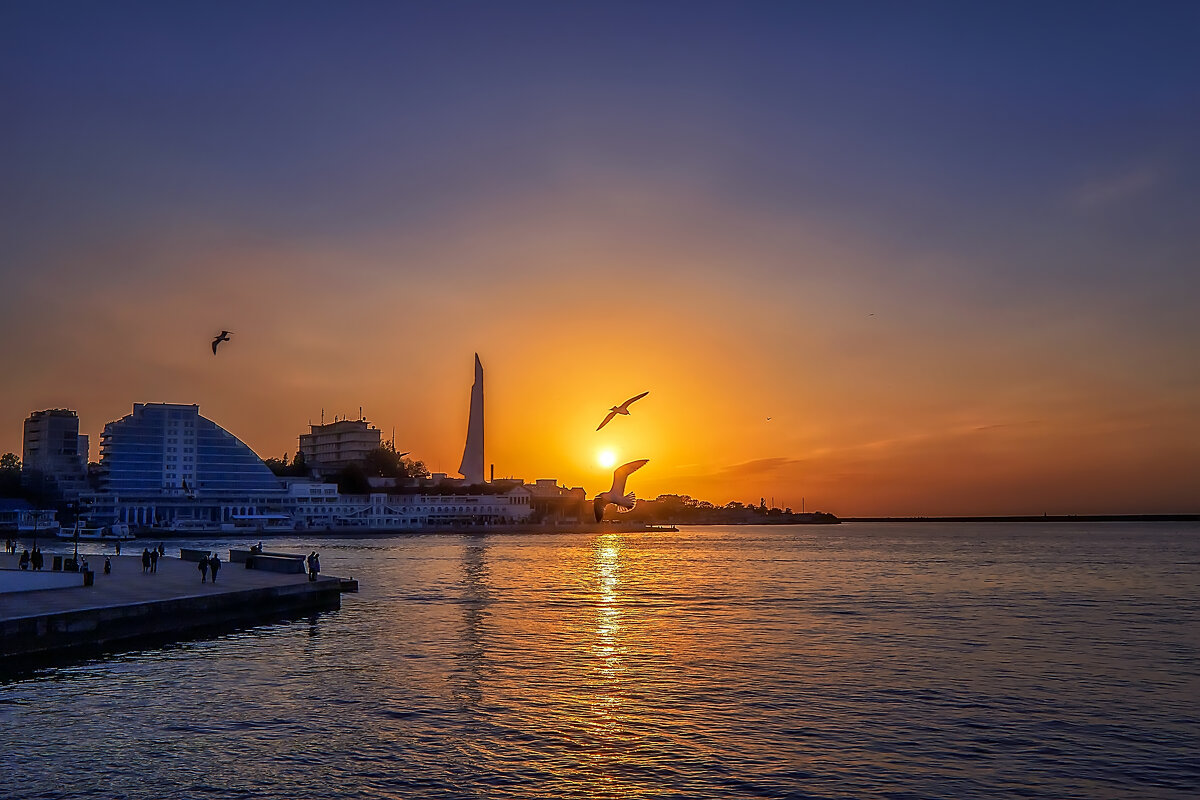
[
  {"x": 616, "y": 495},
  {"x": 222, "y": 337},
  {"x": 621, "y": 409}
]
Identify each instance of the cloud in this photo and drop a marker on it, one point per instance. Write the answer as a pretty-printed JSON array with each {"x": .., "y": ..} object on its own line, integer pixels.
[
  {"x": 1115, "y": 189},
  {"x": 759, "y": 466}
]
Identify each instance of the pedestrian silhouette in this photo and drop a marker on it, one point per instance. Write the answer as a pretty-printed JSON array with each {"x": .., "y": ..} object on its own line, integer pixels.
[
  {"x": 145, "y": 560},
  {"x": 203, "y": 567},
  {"x": 214, "y": 563}
]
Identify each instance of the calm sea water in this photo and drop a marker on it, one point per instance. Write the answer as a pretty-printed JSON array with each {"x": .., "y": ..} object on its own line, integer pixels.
[{"x": 856, "y": 661}]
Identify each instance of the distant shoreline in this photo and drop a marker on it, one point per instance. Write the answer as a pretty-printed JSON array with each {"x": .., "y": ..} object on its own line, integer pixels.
[{"x": 1041, "y": 518}]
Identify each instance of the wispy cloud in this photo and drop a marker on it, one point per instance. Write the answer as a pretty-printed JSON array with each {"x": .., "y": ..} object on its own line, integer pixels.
[{"x": 1114, "y": 189}]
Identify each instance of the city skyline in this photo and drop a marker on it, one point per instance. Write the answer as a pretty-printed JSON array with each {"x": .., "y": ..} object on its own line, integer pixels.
[{"x": 949, "y": 252}]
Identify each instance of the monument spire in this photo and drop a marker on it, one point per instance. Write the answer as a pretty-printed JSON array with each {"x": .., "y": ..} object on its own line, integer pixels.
[{"x": 472, "y": 461}]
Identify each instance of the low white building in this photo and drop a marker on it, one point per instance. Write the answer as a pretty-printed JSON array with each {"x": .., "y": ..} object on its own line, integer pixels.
[{"x": 318, "y": 505}]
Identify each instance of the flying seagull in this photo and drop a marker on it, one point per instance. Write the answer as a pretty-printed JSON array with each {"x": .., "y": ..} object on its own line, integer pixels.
[
  {"x": 223, "y": 337},
  {"x": 621, "y": 409},
  {"x": 616, "y": 495}
]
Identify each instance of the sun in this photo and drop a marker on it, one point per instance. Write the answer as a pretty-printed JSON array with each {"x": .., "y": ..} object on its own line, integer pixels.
[{"x": 606, "y": 458}]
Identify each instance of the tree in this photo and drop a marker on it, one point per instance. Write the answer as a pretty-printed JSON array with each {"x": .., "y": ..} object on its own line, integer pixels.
[
  {"x": 414, "y": 469},
  {"x": 277, "y": 465},
  {"x": 353, "y": 480},
  {"x": 10, "y": 476},
  {"x": 382, "y": 462}
]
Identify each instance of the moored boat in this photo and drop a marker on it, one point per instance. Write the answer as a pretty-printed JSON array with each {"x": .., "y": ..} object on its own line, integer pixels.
[{"x": 116, "y": 532}]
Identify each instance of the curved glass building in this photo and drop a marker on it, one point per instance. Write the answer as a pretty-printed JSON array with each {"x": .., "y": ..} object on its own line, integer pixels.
[{"x": 165, "y": 462}]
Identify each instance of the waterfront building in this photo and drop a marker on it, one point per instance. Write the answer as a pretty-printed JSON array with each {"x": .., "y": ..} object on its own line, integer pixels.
[
  {"x": 164, "y": 463},
  {"x": 472, "y": 461},
  {"x": 320, "y": 506},
  {"x": 551, "y": 503},
  {"x": 332, "y": 447},
  {"x": 54, "y": 455}
]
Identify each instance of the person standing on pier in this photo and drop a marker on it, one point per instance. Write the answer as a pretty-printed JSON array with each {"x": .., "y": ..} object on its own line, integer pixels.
[
  {"x": 203, "y": 567},
  {"x": 154, "y": 561},
  {"x": 37, "y": 558},
  {"x": 145, "y": 560},
  {"x": 25, "y": 559},
  {"x": 118, "y": 547},
  {"x": 214, "y": 563}
]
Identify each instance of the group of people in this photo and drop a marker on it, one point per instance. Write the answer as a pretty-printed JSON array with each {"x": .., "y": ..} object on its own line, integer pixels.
[
  {"x": 10, "y": 545},
  {"x": 211, "y": 562},
  {"x": 34, "y": 559},
  {"x": 150, "y": 557},
  {"x": 149, "y": 560}
]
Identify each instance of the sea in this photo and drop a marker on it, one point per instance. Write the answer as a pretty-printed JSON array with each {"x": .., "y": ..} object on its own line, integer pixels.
[{"x": 862, "y": 660}]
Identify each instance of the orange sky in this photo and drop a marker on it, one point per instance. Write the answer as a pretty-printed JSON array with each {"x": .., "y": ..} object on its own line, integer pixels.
[
  {"x": 944, "y": 401},
  {"x": 952, "y": 255}
]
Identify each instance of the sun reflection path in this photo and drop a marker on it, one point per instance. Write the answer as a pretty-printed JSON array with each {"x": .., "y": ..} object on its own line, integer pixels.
[{"x": 608, "y": 646}]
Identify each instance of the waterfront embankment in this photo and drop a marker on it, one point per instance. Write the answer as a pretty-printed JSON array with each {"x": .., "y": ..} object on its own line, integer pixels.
[{"x": 129, "y": 608}]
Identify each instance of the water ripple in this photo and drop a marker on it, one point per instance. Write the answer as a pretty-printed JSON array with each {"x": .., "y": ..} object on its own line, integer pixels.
[{"x": 885, "y": 661}]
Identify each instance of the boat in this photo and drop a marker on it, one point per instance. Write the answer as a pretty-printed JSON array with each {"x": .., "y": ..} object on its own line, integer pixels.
[
  {"x": 116, "y": 532},
  {"x": 237, "y": 523},
  {"x": 262, "y": 523},
  {"x": 27, "y": 522},
  {"x": 189, "y": 526}
]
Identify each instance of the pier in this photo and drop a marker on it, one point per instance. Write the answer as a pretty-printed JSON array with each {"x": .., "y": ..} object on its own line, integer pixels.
[{"x": 128, "y": 608}]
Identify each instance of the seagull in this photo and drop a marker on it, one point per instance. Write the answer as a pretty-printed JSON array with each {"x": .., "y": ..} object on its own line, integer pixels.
[
  {"x": 616, "y": 495},
  {"x": 223, "y": 337},
  {"x": 621, "y": 409}
]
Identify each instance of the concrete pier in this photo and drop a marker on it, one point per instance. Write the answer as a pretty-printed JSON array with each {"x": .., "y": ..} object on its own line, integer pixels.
[{"x": 128, "y": 608}]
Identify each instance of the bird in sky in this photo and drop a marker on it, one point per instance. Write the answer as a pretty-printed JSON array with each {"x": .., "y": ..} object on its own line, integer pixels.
[
  {"x": 222, "y": 337},
  {"x": 621, "y": 409},
  {"x": 616, "y": 495}
]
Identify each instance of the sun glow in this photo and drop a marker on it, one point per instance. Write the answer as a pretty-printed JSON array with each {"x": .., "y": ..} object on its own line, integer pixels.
[{"x": 606, "y": 458}]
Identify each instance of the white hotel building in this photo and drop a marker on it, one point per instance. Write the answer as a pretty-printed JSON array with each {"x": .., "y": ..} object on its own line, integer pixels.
[{"x": 318, "y": 505}]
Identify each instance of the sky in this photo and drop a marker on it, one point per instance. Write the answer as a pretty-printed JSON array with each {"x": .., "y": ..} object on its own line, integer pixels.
[{"x": 872, "y": 258}]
